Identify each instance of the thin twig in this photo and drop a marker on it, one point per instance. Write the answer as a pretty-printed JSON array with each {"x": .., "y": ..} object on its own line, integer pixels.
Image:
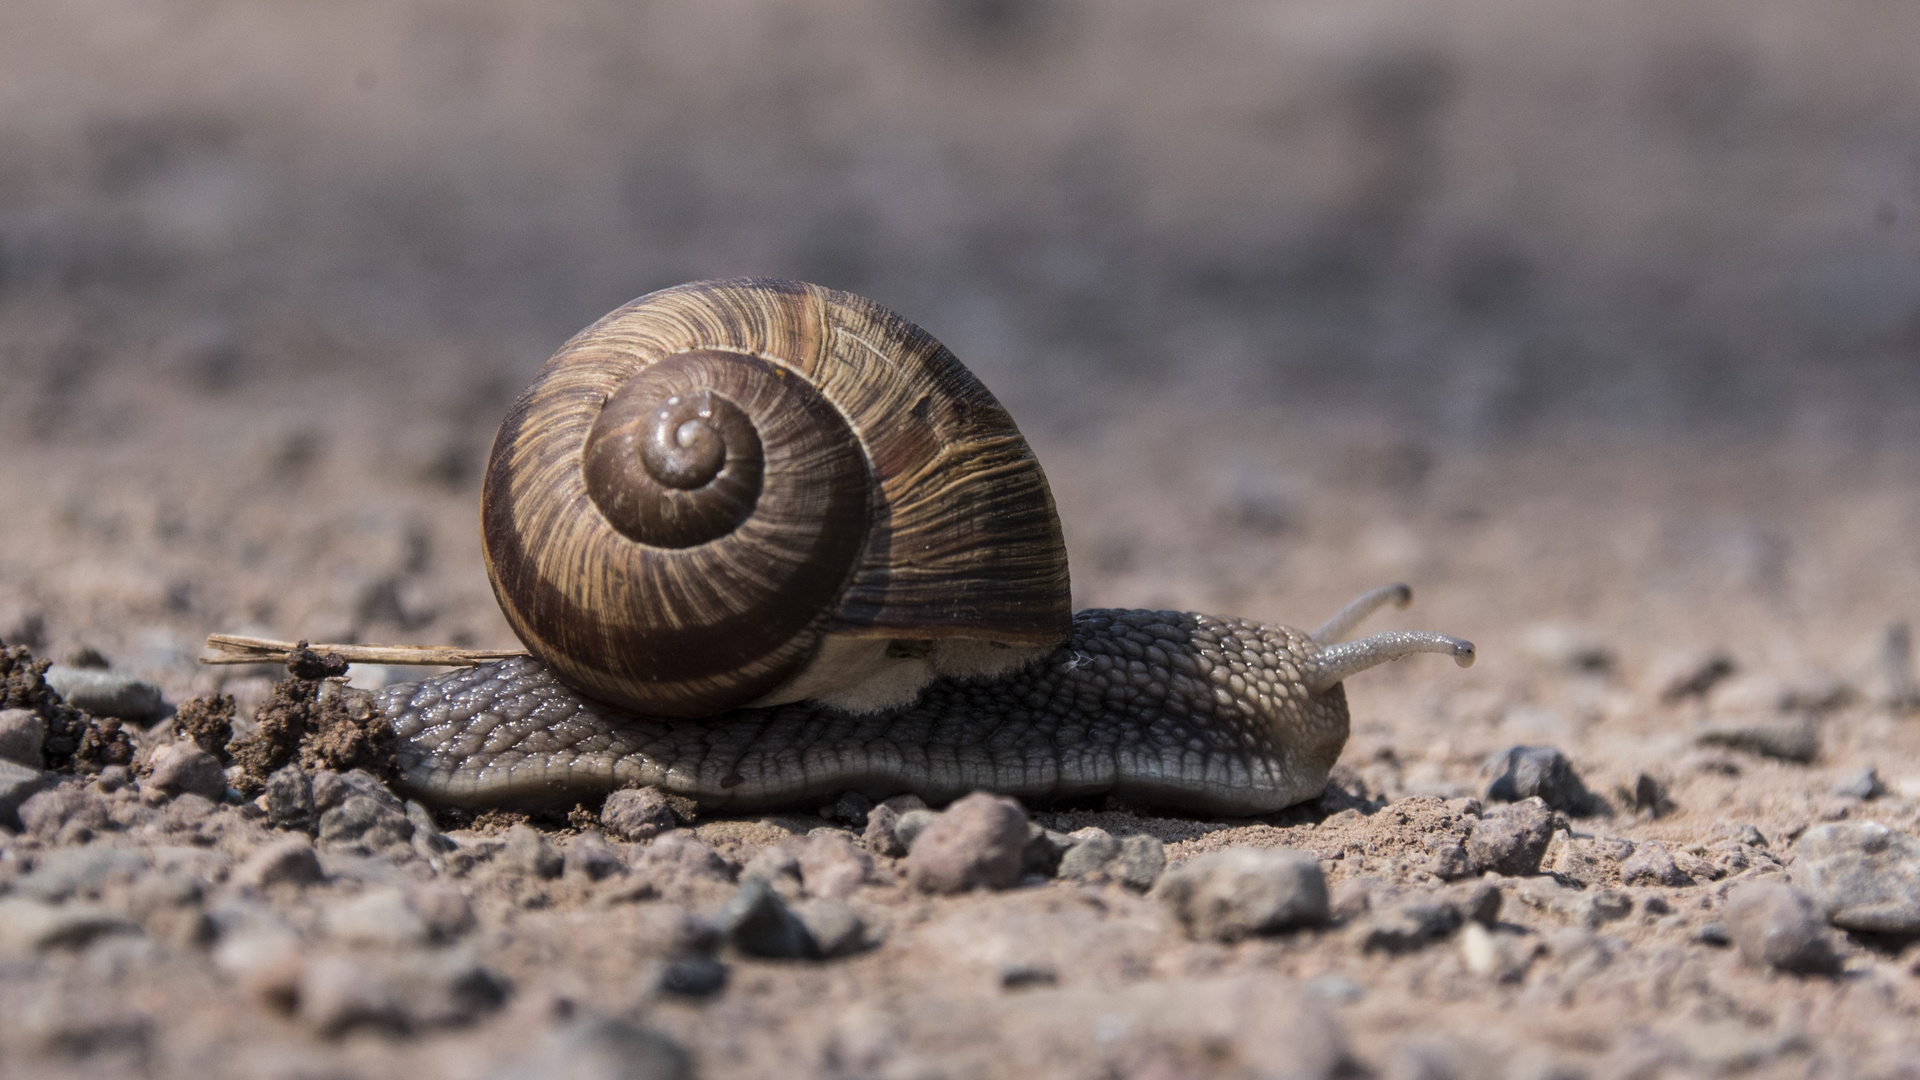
[{"x": 235, "y": 649}]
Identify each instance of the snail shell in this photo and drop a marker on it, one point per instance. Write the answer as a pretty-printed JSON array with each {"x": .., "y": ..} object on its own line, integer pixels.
[{"x": 752, "y": 492}]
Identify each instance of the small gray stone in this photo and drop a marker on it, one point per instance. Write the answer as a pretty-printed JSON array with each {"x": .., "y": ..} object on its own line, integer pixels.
[
  {"x": 591, "y": 857},
  {"x": 22, "y": 733},
  {"x": 1041, "y": 856},
  {"x": 1448, "y": 861},
  {"x": 104, "y": 693},
  {"x": 338, "y": 993},
  {"x": 1140, "y": 862},
  {"x": 184, "y": 768},
  {"x": 910, "y": 824},
  {"x": 428, "y": 840},
  {"x": 288, "y": 860},
  {"x": 602, "y": 1049},
  {"x": 677, "y": 860},
  {"x": 377, "y": 917},
  {"x": 1093, "y": 848},
  {"x": 81, "y": 871},
  {"x": 834, "y": 927},
  {"x": 1865, "y": 786},
  {"x": 18, "y": 783},
  {"x": 1227, "y": 895},
  {"x": 699, "y": 975},
  {"x": 30, "y": 926},
  {"x": 289, "y": 798},
  {"x": 850, "y": 809},
  {"x": 831, "y": 866},
  {"x": 1862, "y": 875},
  {"x": 444, "y": 907},
  {"x": 882, "y": 835},
  {"x": 637, "y": 814},
  {"x": 756, "y": 921},
  {"x": 1772, "y": 925},
  {"x": 367, "y": 820},
  {"x": 49, "y": 813},
  {"x": 1651, "y": 864},
  {"x": 979, "y": 841},
  {"x": 1528, "y": 771},
  {"x": 1511, "y": 840},
  {"x": 1413, "y": 921},
  {"x": 1793, "y": 737},
  {"x": 529, "y": 852}
]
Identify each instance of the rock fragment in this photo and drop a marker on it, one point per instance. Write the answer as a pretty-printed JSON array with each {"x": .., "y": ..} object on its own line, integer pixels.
[
  {"x": 978, "y": 841},
  {"x": 289, "y": 798},
  {"x": 881, "y": 835},
  {"x": 1228, "y": 895},
  {"x": 1092, "y": 849},
  {"x": 831, "y": 866},
  {"x": 105, "y": 693},
  {"x": 18, "y": 783},
  {"x": 1416, "y": 920},
  {"x": 22, "y": 733},
  {"x": 1865, "y": 785},
  {"x": 833, "y": 927},
  {"x": 637, "y": 814},
  {"x": 48, "y": 814},
  {"x": 1773, "y": 925},
  {"x": 758, "y": 922},
  {"x": 1861, "y": 875},
  {"x": 698, "y": 975},
  {"x": 1511, "y": 840},
  {"x": 908, "y": 826},
  {"x": 364, "y": 819},
  {"x": 1525, "y": 772},
  {"x": 28, "y": 926},
  {"x": 1652, "y": 864},
  {"x": 289, "y": 860},
  {"x": 378, "y": 917},
  {"x": 529, "y": 852},
  {"x": 80, "y": 871},
  {"x": 602, "y": 1049},
  {"x": 182, "y": 767},
  {"x": 1791, "y": 737},
  {"x": 591, "y": 857}
]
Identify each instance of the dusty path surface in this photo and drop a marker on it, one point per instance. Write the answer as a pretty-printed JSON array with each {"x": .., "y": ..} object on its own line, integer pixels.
[{"x": 152, "y": 932}]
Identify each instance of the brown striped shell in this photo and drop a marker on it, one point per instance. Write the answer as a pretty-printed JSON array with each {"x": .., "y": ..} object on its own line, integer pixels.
[{"x": 706, "y": 485}]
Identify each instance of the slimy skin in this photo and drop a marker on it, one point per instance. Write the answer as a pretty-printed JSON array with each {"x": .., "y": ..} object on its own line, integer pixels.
[{"x": 1158, "y": 708}]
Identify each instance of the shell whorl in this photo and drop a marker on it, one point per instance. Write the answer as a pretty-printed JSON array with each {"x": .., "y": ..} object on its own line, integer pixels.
[{"x": 700, "y": 486}]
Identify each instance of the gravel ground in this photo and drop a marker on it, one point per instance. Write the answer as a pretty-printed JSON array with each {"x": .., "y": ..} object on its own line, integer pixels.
[{"x": 1703, "y": 860}]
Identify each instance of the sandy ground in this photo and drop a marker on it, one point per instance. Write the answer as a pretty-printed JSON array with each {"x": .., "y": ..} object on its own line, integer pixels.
[{"x": 1593, "y": 575}]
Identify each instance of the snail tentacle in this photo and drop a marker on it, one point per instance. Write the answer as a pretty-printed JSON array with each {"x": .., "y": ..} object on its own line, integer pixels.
[
  {"x": 1333, "y": 664},
  {"x": 1343, "y": 621}
]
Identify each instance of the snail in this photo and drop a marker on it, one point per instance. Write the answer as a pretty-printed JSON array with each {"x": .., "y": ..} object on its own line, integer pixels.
[{"x": 767, "y": 543}]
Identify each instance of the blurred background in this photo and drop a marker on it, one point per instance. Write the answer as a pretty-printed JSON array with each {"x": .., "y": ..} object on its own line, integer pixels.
[{"x": 271, "y": 271}]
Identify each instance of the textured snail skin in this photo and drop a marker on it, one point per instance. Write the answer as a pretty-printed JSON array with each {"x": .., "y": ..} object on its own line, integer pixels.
[{"x": 1158, "y": 708}]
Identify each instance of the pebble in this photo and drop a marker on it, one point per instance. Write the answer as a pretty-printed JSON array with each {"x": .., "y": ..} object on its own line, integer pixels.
[
  {"x": 1543, "y": 771},
  {"x": 978, "y": 841},
  {"x": 831, "y": 866},
  {"x": 850, "y": 809},
  {"x": 1511, "y": 840},
  {"x": 591, "y": 857},
  {"x": 1412, "y": 922},
  {"x": 529, "y": 852},
  {"x": 1135, "y": 861},
  {"x": 676, "y": 859},
  {"x": 1773, "y": 925},
  {"x": 49, "y": 813},
  {"x": 104, "y": 693},
  {"x": 881, "y": 835},
  {"x": 834, "y": 927},
  {"x": 377, "y": 917},
  {"x": 1865, "y": 786},
  {"x": 698, "y": 975},
  {"x": 1141, "y": 861},
  {"x": 444, "y": 908},
  {"x": 1651, "y": 864},
  {"x": 1495, "y": 954},
  {"x": 637, "y": 814},
  {"x": 428, "y": 840},
  {"x": 18, "y": 783},
  {"x": 81, "y": 871},
  {"x": 289, "y": 798},
  {"x": 288, "y": 860},
  {"x": 22, "y": 733},
  {"x": 1589, "y": 860},
  {"x": 182, "y": 767},
  {"x": 31, "y": 926},
  {"x": 908, "y": 826},
  {"x": 758, "y": 922},
  {"x": 1045, "y": 847},
  {"x": 1091, "y": 851},
  {"x": 366, "y": 819},
  {"x": 1863, "y": 875},
  {"x": 336, "y": 993},
  {"x": 601, "y": 1049},
  {"x": 1228, "y": 895},
  {"x": 408, "y": 991},
  {"x": 1793, "y": 737}
]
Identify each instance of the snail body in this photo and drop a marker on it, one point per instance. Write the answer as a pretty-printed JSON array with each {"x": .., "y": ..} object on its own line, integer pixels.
[{"x": 766, "y": 542}]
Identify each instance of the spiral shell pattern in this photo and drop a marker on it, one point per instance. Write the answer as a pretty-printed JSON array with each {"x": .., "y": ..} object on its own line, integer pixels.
[{"x": 703, "y": 483}]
